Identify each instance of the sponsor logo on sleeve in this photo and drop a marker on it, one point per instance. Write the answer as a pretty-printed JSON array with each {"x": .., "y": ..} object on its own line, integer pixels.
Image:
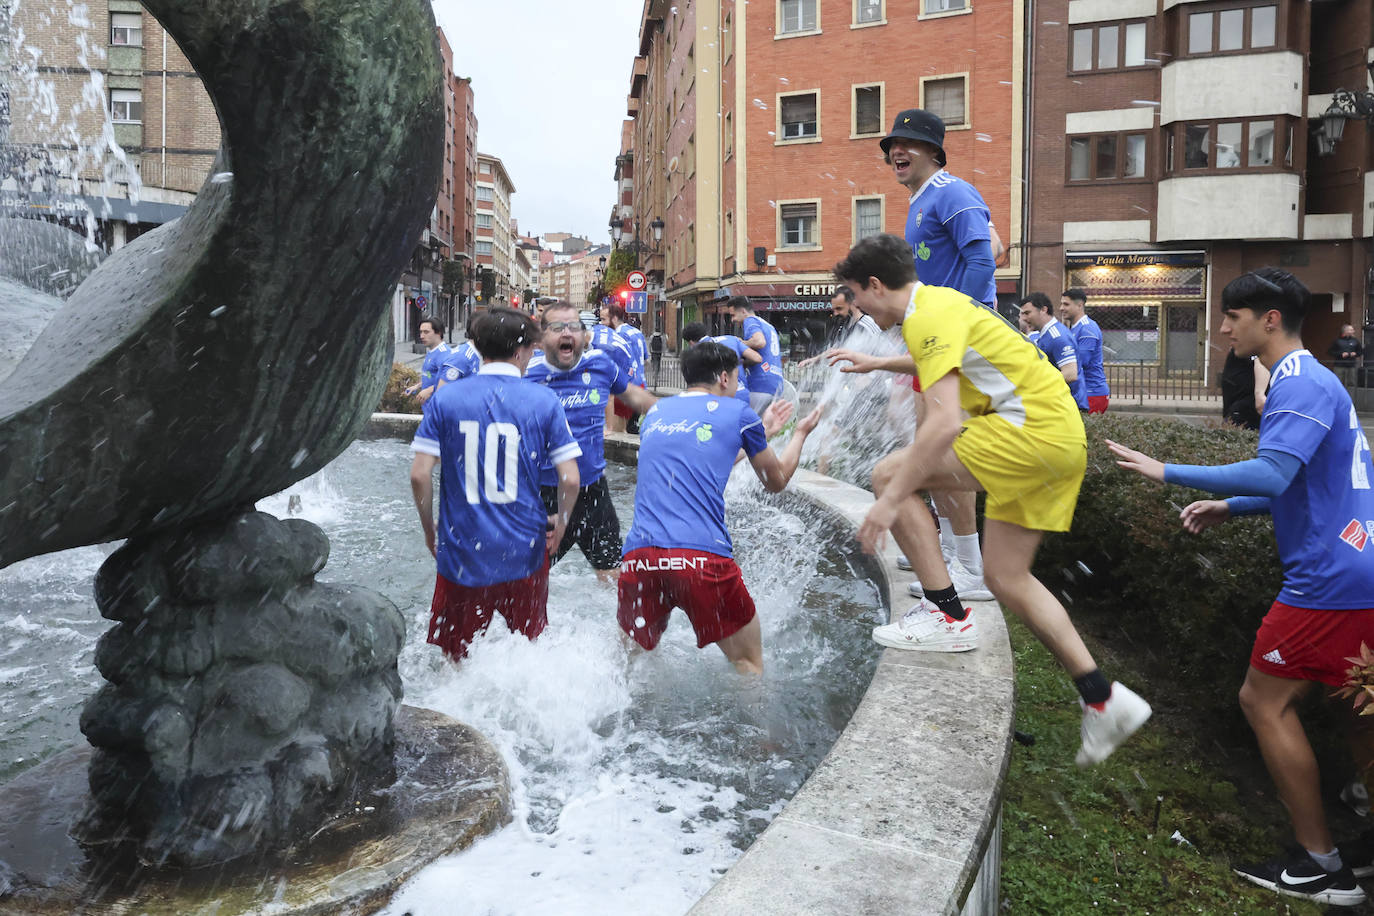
[
  {"x": 933, "y": 345},
  {"x": 1356, "y": 534}
]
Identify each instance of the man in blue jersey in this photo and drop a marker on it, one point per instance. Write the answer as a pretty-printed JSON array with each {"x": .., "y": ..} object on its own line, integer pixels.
[
  {"x": 604, "y": 337},
  {"x": 1313, "y": 475},
  {"x": 432, "y": 336},
  {"x": 463, "y": 360},
  {"x": 491, "y": 434},
  {"x": 1087, "y": 337},
  {"x": 615, "y": 316},
  {"x": 764, "y": 378},
  {"x": 678, "y": 552},
  {"x": 1057, "y": 343},
  {"x": 695, "y": 333},
  {"x": 584, "y": 380},
  {"x": 949, "y": 230}
]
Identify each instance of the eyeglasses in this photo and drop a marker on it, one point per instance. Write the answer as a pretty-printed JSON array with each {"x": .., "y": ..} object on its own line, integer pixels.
[{"x": 559, "y": 326}]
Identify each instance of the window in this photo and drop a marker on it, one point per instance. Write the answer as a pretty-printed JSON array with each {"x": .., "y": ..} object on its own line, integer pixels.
[
  {"x": 126, "y": 106},
  {"x": 1109, "y": 47},
  {"x": 868, "y": 217},
  {"x": 483, "y": 220},
  {"x": 868, "y": 11},
  {"x": 727, "y": 38},
  {"x": 1101, "y": 157},
  {"x": 484, "y": 193},
  {"x": 945, "y": 6},
  {"x": 1261, "y": 147},
  {"x": 729, "y": 138},
  {"x": 483, "y": 247},
  {"x": 796, "y": 16},
  {"x": 945, "y": 97},
  {"x": 798, "y": 225},
  {"x": 1135, "y": 45},
  {"x": 1236, "y": 144},
  {"x": 1238, "y": 29},
  {"x": 868, "y": 110},
  {"x": 126, "y": 29},
  {"x": 798, "y": 113}
]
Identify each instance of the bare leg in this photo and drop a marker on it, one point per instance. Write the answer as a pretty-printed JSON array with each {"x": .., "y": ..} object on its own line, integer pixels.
[
  {"x": 608, "y": 576},
  {"x": 915, "y": 533},
  {"x": 1010, "y": 551},
  {"x": 960, "y": 507},
  {"x": 1270, "y": 706},
  {"x": 744, "y": 647}
]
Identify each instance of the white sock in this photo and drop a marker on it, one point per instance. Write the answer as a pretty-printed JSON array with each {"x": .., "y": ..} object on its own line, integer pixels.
[
  {"x": 947, "y": 536},
  {"x": 970, "y": 555},
  {"x": 1329, "y": 861}
]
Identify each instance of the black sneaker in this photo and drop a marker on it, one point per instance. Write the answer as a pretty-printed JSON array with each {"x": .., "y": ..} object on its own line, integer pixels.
[
  {"x": 1296, "y": 875},
  {"x": 1359, "y": 854}
]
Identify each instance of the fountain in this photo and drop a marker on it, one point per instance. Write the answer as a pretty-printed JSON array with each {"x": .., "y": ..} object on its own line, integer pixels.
[{"x": 250, "y": 713}]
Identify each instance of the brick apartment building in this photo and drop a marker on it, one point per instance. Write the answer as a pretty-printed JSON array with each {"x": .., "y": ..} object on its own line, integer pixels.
[
  {"x": 755, "y": 139},
  {"x": 493, "y": 241},
  {"x": 157, "y": 109},
  {"x": 1173, "y": 148}
]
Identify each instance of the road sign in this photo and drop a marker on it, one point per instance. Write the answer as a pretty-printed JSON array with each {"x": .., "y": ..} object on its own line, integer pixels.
[
  {"x": 421, "y": 302},
  {"x": 636, "y": 280},
  {"x": 637, "y": 302}
]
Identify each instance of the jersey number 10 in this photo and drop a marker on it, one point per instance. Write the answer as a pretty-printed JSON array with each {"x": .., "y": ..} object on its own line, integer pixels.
[{"x": 498, "y": 488}]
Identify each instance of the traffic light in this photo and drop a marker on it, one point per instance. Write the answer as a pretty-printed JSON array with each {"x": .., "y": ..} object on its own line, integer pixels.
[{"x": 624, "y": 296}]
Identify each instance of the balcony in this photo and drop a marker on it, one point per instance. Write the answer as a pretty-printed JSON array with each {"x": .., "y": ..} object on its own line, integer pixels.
[
  {"x": 1260, "y": 205},
  {"x": 1232, "y": 86}
]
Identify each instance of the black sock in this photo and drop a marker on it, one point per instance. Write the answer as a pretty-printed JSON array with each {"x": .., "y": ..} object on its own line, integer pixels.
[
  {"x": 1093, "y": 687},
  {"x": 947, "y": 600}
]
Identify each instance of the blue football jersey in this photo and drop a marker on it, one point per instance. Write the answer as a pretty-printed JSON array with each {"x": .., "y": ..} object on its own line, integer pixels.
[
  {"x": 1057, "y": 342},
  {"x": 461, "y": 362},
  {"x": 1087, "y": 337},
  {"x": 584, "y": 391},
  {"x": 605, "y": 338},
  {"x": 429, "y": 369},
  {"x": 634, "y": 339},
  {"x": 766, "y": 376},
  {"x": 739, "y": 346},
  {"x": 687, "y": 448},
  {"x": 1324, "y": 521},
  {"x": 492, "y": 434},
  {"x": 944, "y": 215}
]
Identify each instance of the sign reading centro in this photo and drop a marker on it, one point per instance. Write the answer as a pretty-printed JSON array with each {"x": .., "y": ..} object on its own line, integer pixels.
[{"x": 803, "y": 289}]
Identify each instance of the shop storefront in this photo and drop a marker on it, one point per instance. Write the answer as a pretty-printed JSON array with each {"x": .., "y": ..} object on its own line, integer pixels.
[
  {"x": 1151, "y": 305},
  {"x": 800, "y": 312}
]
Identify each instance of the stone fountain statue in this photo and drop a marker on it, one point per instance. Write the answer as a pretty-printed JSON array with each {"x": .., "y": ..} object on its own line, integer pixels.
[{"x": 215, "y": 361}]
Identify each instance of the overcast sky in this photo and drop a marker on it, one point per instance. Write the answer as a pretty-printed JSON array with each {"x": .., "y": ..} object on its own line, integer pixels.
[{"x": 550, "y": 78}]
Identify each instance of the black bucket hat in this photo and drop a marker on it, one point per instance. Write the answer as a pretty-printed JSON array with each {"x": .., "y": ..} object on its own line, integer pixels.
[{"x": 917, "y": 124}]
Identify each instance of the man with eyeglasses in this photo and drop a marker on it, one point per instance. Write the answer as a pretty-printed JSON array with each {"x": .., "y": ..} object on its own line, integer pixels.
[{"x": 584, "y": 381}]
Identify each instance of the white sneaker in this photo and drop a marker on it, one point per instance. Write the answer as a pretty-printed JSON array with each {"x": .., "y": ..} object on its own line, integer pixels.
[
  {"x": 925, "y": 628},
  {"x": 903, "y": 562},
  {"x": 1105, "y": 731},
  {"x": 969, "y": 586}
]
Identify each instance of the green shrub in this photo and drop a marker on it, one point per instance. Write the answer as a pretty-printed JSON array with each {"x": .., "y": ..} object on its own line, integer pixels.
[
  {"x": 394, "y": 398},
  {"x": 1191, "y": 603}
]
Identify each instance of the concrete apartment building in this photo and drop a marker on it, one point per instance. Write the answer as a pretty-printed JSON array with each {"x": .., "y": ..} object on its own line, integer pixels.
[
  {"x": 493, "y": 243},
  {"x": 1174, "y": 147},
  {"x": 755, "y": 139},
  {"x": 152, "y": 102}
]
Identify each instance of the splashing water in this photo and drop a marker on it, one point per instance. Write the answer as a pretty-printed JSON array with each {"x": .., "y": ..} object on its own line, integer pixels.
[{"x": 636, "y": 781}]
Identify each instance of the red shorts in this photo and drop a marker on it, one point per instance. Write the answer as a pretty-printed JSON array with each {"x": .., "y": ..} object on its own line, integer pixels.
[
  {"x": 1097, "y": 403},
  {"x": 1310, "y": 645},
  {"x": 916, "y": 384},
  {"x": 459, "y": 612},
  {"x": 709, "y": 587},
  {"x": 622, "y": 409}
]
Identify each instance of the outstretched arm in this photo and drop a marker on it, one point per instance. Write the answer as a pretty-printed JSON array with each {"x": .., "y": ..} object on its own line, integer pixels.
[
  {"x": 776, "y": 470},
  {"x": 1267, "y": 476},
  {"x": 861, "y": 362}
]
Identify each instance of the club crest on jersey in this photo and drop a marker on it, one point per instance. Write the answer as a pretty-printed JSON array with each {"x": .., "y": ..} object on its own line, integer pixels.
[
  {"x": 711, "y": 406},
  {"x": 586, "y": 378},
  {"x": 920, "y": 215},
  {"x": 1356, "y": 535}
]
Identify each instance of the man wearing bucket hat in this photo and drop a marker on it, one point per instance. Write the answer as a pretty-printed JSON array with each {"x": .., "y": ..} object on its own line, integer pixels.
[{"x": 949, "y": 229}]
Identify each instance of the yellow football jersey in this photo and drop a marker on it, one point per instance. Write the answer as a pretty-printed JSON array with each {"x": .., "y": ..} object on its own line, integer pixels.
[{"x": 1000, "y": 371}]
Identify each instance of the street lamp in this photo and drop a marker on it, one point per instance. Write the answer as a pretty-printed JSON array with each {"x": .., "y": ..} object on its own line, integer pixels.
[
  {"x": 1346, "y": 105},
  {"x": 618, "y": 232}
]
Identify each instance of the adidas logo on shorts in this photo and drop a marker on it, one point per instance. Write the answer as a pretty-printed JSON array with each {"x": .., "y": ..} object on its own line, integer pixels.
[{"x": 1274, "y": 658}]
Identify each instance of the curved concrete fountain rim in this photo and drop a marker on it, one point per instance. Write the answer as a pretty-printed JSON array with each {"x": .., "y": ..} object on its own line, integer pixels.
[{"x": 903, "y": 813}]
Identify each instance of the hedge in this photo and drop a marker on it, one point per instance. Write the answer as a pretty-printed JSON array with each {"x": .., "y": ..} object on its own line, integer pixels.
[
  {"x": 394, "y": 398},
  {"x": 1189, "y": 602}
]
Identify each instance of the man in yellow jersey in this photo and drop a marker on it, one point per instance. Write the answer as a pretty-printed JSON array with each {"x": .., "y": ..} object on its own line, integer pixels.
[{"x": 1022, "y": 442}]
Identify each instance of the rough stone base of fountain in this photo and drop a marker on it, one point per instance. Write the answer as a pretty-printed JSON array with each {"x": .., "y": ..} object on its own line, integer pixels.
[{"x": 450, "y": 789}]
